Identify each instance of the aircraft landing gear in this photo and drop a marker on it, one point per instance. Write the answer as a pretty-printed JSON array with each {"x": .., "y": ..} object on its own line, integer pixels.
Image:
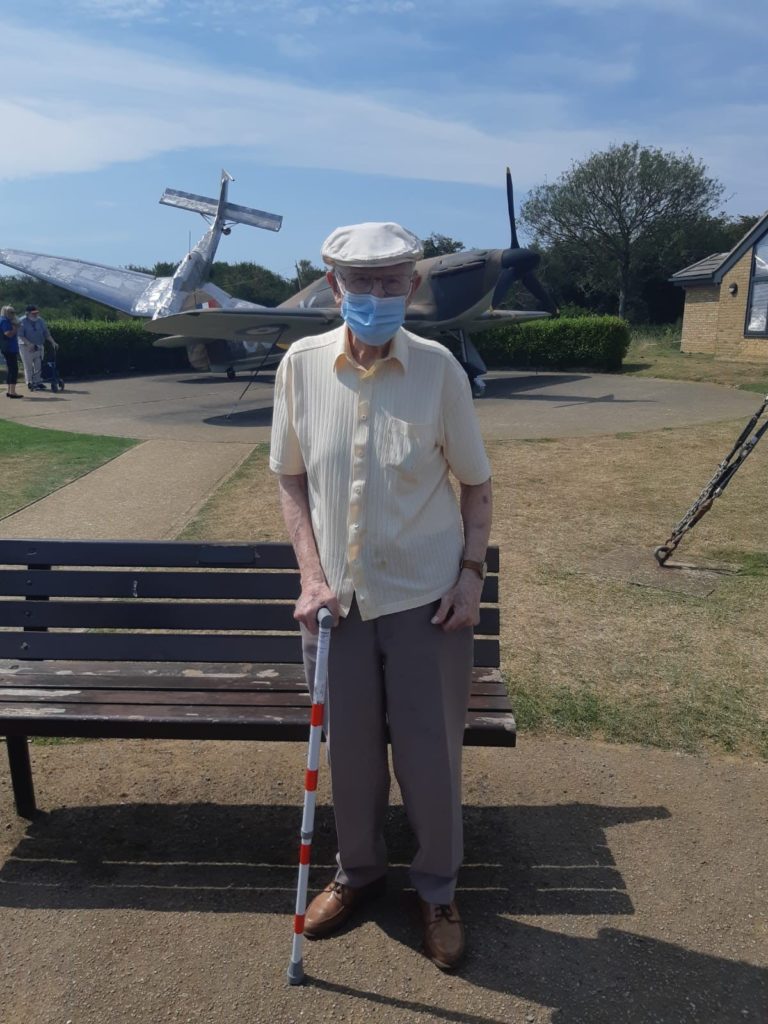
[
  {"x": 231, "y": 374},
  {"x": 472, "y": 362}
]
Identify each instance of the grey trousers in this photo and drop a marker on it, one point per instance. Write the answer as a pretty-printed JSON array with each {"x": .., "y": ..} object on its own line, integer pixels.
[
  {"x": 398, "y": 670},
  {"x": 32, "y": 360}
]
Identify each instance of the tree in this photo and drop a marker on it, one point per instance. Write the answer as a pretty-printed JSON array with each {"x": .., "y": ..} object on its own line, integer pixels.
[
  {"x": 617, "y": 215},
  {"x": 440, "y": 245},
  {"x": 306, "y": 273}
]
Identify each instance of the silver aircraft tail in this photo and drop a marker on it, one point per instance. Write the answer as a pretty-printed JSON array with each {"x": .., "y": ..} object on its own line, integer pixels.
[{"x": 221, "y": 210}]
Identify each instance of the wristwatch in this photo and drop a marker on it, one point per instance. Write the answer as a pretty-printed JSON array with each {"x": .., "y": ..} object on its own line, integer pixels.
[{"x": 479, "y": 567}]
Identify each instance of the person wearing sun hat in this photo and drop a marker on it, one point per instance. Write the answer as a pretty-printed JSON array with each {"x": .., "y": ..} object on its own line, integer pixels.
[
  {"x": 369, "y": 420},
  {"x": 33, "y": 334}
]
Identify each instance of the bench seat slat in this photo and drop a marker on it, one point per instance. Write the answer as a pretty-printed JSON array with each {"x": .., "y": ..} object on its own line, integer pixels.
[
  {"x": 202, "y": 676},
  {"x": 278, "y": 724},
  {"x": 202, "y": 698}
]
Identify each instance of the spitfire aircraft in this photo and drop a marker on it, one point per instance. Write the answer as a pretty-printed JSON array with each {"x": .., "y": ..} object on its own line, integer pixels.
[{"x": 458, "y": 295}]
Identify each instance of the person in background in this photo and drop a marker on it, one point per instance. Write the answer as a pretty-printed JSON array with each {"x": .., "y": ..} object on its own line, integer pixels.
[
  {"x": 369, "y": 420},
  {"x": 33, "y": 334},
  {"x": 9, "y": 345}
]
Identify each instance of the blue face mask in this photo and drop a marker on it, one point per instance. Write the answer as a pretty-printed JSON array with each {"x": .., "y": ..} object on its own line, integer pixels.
[{"x": 371, "y": 319}]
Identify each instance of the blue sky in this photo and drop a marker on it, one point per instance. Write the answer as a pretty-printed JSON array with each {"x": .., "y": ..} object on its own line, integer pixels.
[{"x": 337, "y": 111}]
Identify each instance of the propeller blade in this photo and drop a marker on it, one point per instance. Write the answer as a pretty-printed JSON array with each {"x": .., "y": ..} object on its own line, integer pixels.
[
  {"x": 519, "y": 264},
  {"x": 539, "y": 292},
  {"x": 514, "y": 244}
]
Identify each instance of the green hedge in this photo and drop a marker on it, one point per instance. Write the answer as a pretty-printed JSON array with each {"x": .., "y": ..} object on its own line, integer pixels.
[
  {"x": 105, "y": 346},
  {"x": 587, "y": 343}
]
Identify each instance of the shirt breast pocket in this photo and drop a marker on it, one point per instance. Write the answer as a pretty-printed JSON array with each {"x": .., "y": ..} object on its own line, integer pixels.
[{"x": 408, "y": 446}]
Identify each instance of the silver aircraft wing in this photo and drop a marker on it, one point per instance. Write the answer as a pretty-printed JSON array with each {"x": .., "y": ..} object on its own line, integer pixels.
[{"x": 116, "y": 287}]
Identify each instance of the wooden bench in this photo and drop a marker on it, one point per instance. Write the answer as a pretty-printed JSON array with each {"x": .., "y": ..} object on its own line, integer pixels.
[{"x": 173, "y": 640}]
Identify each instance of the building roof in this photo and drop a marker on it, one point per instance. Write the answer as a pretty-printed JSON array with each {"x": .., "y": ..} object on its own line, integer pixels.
[
  {"x": 701, "y": 272},
  {"x": 712, "y": 269}
]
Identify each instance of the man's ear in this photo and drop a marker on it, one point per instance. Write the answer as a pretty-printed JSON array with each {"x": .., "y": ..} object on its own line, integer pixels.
[
  {"x": 415, "y": 282},
  {"x": 330, "y": 277}
]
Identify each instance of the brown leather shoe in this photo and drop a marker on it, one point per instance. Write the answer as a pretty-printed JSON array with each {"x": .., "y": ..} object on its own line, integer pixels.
[
  {"x": 328, "y": 911},
  {"x": 443, "y": 933}
]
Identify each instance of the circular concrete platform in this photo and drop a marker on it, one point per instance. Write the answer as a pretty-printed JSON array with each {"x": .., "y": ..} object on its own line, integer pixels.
[{"x": 518, "y": 404}]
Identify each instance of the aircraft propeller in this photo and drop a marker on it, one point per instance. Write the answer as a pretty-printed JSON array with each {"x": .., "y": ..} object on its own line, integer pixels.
[{"x": 519, "y": 264}]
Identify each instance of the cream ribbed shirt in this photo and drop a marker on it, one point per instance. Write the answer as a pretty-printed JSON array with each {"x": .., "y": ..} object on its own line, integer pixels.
[{"x": 376, "y": 446}]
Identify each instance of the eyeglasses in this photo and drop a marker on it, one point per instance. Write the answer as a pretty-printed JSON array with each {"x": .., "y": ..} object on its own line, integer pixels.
[{"x": 359, "y": 282}]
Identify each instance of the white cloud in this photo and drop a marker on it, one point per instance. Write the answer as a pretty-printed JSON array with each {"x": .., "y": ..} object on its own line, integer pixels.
[{"x": 90, "y": 106}]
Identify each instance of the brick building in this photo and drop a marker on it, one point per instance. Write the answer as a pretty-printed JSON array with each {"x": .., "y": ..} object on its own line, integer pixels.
[{"x": 726, "y": 300}]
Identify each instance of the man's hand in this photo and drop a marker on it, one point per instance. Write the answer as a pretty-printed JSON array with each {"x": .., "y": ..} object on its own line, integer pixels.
[
  {"x": 460, "y": 607},
  {"x": 315, "y": 595}
]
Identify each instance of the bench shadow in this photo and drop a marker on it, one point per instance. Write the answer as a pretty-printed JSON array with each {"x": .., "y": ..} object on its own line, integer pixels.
[
  {"x": 242, "y": 858},
  {"x": 520, "y": 862}
]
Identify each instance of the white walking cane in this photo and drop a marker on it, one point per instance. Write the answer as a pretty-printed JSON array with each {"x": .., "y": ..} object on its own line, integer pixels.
[{"x": 325, "y": 621}]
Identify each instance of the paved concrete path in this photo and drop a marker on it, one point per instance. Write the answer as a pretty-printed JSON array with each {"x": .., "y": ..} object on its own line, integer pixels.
[
  {"x": 197, "y": 432},
  {"x": 149, "y": 492},
  {"x": 194, "y": 407}
]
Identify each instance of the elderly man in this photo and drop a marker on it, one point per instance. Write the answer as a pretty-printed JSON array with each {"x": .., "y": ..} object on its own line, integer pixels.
[
  {"x": 368, "y": 421},
  {"x": 33, "y": 334}
]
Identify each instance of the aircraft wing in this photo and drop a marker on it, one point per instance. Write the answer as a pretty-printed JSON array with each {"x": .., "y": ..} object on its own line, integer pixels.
[
  {"x": 246, "y": 325},
  {"x": 500, "y": 317},
  {"x": 114, "y": 286}
]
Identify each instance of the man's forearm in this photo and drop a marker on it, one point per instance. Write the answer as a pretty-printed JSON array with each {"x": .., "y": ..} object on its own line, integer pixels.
[
  {"x": 476, "y": 514},
  {"x": 294, "y": 504}
]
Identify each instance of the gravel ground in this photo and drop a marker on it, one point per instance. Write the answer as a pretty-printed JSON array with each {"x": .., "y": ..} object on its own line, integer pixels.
[{"x": 603, "y": 884}]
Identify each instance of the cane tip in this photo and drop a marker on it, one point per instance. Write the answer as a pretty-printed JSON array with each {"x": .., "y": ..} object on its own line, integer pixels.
[{"x": 295, "y": 973}]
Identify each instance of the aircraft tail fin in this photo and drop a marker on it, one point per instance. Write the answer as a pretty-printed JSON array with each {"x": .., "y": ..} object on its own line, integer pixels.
[{"x": 230, "y": 212}]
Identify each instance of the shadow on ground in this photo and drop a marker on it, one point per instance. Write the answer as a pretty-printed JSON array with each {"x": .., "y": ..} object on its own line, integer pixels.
[
  {"x": 521, "y": 861},
  {"x": 210, "y": 857},
  {"x": 528, "y": 387}
]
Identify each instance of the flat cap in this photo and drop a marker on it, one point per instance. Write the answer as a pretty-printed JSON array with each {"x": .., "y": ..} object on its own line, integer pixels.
[
  {"x": 30, "y": 309},
  {"x": 371, "y": 245}
]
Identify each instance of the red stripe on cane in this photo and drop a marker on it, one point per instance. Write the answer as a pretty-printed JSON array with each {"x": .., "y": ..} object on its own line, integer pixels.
[
  {"x": 316, "y": 717},
  {"x": 298, "y": 924},
  {"x": 305, "y": 853},
  {"x": 310, "y": 780}
]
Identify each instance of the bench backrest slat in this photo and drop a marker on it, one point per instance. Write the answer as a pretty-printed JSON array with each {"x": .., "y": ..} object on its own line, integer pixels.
[
  {"x": 229, "y": 616},
  {"x": 136, "y": 583},
  {"x": 168, "y": 554}
]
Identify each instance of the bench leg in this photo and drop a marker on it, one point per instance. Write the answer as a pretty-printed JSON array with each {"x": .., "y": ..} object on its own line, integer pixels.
[{"x": 21, "y": 776}]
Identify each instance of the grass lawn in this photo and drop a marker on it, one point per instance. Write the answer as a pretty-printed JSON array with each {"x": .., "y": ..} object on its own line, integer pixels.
[
  {"x": 586, "y": 651},
  {"x": 655, "y": 352},
  {"x": 34, "y": 462}
]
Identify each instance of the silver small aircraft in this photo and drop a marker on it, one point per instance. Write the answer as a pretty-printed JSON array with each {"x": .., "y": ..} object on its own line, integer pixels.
[{"x": 458, "y": 294}]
